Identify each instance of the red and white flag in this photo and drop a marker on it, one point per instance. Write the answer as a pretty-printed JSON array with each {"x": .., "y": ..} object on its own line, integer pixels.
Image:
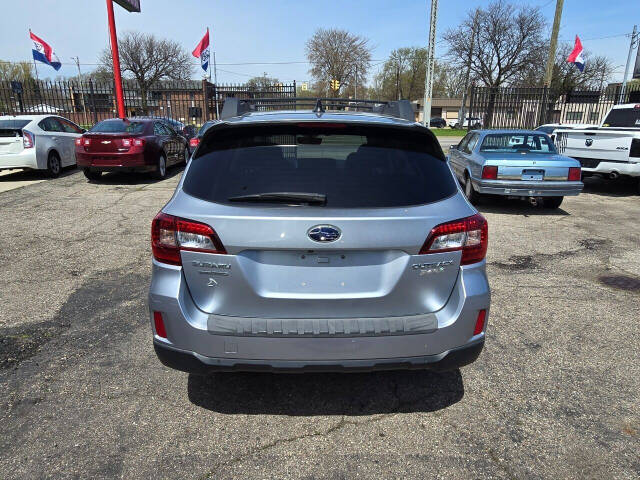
[
  {"x": 202, "y": 51},
  {"x": 576, "y": 55}
]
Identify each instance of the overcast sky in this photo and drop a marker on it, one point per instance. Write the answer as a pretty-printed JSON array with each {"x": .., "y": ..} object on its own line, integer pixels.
[{"x": 251, "y": 31}]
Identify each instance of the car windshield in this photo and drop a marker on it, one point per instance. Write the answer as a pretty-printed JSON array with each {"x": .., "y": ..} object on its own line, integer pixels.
[
  {"x": 334, "y": 166},
  {"x": 517, "y": 142},
  {"x": 117, "y": 126},
  {"x": 623, "y": 118}
]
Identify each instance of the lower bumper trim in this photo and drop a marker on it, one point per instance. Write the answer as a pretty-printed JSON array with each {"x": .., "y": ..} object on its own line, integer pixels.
[{"x": 193, "y": 363}]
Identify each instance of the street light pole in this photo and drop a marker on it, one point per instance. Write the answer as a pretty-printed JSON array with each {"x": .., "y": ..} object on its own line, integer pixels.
[{"x": 431, "y": 53}]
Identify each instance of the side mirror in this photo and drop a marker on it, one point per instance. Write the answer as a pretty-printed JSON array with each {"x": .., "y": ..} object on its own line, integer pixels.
[{"x": 83, "y": 130}]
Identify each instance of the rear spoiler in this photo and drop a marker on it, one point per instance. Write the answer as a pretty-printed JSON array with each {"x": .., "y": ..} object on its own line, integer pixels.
[{"x": 234, "y": 107}]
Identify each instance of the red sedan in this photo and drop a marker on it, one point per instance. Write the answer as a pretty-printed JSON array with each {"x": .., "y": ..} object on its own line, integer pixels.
[{"x": 140, "y": 144}]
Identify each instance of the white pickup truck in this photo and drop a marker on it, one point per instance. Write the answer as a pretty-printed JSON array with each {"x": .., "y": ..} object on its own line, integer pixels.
[{"x": 612, "y": 149}]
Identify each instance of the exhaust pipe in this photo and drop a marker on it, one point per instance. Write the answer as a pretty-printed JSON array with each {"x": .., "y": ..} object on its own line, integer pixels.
[
  {"x": 535, "y": 201},
  {"x": 614, "y": 175}
]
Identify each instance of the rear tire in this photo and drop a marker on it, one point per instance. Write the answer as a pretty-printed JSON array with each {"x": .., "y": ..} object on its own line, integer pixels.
[
  {"x": 552, "y": 202},
  {"x": 54, "y": 167},
  {"x": 92, "y": 175},
  {"x": 160, "y": 172},
  {"x": 470, "y": 192}
]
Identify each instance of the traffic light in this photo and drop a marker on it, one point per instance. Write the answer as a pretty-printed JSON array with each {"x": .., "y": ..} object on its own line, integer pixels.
[{"x": 335, "y": 85}]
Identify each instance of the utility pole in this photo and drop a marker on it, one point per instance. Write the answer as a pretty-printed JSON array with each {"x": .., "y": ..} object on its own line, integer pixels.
[
  {"x": 551, "y": 59},
  {"x": 474, "y": 28},
  {"x": 84, "y": 108},
  {"x": 626, "y": 68},
  {"x": 431, "y": 54},
  {"x": 215, "y": 82},
  {"x": 355, "y": 90}
]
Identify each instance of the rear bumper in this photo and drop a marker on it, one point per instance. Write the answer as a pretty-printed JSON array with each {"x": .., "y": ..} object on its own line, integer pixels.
[
  {"x": 193, "y": 363},
  {"x": 111, "y": 161},
  {"x": 194, "y": 343},
  {"x": 604, "y": 167},
  {"x": 528, "y": 189},
  {"x": 25, "y": 159}
]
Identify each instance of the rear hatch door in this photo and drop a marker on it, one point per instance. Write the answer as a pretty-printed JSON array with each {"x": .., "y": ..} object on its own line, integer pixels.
[{"x": 385, "y": 191}]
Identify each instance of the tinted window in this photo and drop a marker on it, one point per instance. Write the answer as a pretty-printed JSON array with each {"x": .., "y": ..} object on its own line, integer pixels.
[
  {"x": 160, "y": 129},
  {"x": 512, "y": 142},
  {"x": 117, "y": 126},
  {"x": 353, "y": 166},
  {"x": 623, "y": 117},
  {"x": 13, "y": 124},
  {"x": 547, "y": 130},
  {"x": 51, "y": 124},
  {"x": 69, "y": 127}
]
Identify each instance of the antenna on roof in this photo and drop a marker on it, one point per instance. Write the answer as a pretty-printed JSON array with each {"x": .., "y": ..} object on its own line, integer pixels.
[{"x": 318, "y": 108}]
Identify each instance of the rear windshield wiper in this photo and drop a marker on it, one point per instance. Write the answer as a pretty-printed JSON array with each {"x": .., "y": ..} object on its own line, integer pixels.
[{"x": 283, "y": 197}]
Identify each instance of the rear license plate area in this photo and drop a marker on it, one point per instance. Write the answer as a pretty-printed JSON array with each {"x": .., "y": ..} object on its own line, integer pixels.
[{"x": 532, "y": 174}]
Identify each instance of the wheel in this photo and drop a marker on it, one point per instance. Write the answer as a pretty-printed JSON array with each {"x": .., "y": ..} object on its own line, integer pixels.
[
  {"x": 92, "y": 175},
  {"x": 552, "y": 202},
  {"x": 469, "y": 191},
  {"x": 161, "y": 167},
  {"x": 54, "y": 167},
  {"x": 457, "y": 126}
]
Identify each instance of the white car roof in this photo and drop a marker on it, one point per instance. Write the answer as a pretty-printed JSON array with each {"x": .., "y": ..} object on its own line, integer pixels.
[
  {"x": 626, "y": 105},
  {"x": 33, "y": 117}
]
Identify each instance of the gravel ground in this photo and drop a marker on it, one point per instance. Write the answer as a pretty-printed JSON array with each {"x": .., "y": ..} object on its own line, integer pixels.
[{"x": 555, "y": 394}]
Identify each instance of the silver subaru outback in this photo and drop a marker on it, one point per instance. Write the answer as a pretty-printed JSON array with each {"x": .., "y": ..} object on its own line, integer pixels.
[{"x": 318, "y": 240}]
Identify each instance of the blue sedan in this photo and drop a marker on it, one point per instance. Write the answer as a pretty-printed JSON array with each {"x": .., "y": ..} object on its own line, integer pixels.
[{"x": 514, "y": 163}]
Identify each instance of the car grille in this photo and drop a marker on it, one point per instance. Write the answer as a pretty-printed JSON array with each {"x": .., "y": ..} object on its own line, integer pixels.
[{"x": 588, "y": 162}]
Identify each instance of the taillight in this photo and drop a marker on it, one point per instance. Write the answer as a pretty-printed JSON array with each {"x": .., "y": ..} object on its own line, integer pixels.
[
  {"x": 86, "y": 142},
  {"x": 126, "y": 142},
  {"x": 575, "y": 174},
  {"x": 171, "y": 234},
  {"x": 27, "y": 139},
  {"x": 138, "y": 142},
  {"x": 490, "y": 172},
  {"x": 78, "y": 141},
  {"x": 634, "y": 151},
  {"x": 471, "y": 235},
  {"x": 194, "y": 142}
]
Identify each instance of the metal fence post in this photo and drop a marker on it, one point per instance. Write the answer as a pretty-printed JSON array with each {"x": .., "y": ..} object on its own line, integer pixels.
[
  {"x": 471, "y": 104},
  {"x": 92, "y": 102}
]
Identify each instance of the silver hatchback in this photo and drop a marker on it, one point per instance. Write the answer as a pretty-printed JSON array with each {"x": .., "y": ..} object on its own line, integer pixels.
[{"x": 318, "y": 241}]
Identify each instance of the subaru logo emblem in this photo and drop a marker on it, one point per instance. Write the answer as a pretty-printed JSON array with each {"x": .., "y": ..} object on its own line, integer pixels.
[
  {"x": 588, "y": 142},
  {"x": 324, "y": 233}
]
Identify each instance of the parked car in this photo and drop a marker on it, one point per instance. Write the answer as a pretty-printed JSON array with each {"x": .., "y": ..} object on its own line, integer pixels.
[
  {"x": 186, "y": 130},
  {"x": 515, "y": 163},
  {"x": 611, "y": 150},
  {"x": 550, "y": 128},
  {"x": 193, "y": 143},
  {"x": 129, "y": 144},
  {"x": 476, "y": 122},
  {"x": 438, "y": 122},
  {"x": 318, "y": 240},
  {"x": 38, "y": 142}
]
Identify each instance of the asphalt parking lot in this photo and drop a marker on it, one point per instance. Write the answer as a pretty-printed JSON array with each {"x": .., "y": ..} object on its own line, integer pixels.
[{"x": 555, "y": 394}]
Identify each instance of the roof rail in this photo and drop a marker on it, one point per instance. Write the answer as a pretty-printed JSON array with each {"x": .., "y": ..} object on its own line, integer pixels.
[{"x": 234, "y": 107}]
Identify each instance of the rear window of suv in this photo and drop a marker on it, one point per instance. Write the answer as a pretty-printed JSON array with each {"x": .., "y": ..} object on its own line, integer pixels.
[
  {"x": 623, "y": 118},
  {"x": 353, "y": 166},
  {"x": 117, "y": 126}
]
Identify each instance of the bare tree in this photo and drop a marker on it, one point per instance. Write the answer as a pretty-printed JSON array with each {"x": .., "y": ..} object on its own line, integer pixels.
[
  {"x": 509, "y": 42},
  {"x": 261, "y": 83},
  {"x": 338, "y": 55},
  {"x": 148, "y": 59},
  {"x": 19, "y": 71},
  {"x": 402, "y": 76}
]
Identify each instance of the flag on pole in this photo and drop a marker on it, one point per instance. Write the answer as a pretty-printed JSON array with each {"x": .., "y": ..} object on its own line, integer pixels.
[
  {"x": 576, "y": 55},
  {"x": 202, "y": 51},
  {"x": 42, "y": 52}
]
